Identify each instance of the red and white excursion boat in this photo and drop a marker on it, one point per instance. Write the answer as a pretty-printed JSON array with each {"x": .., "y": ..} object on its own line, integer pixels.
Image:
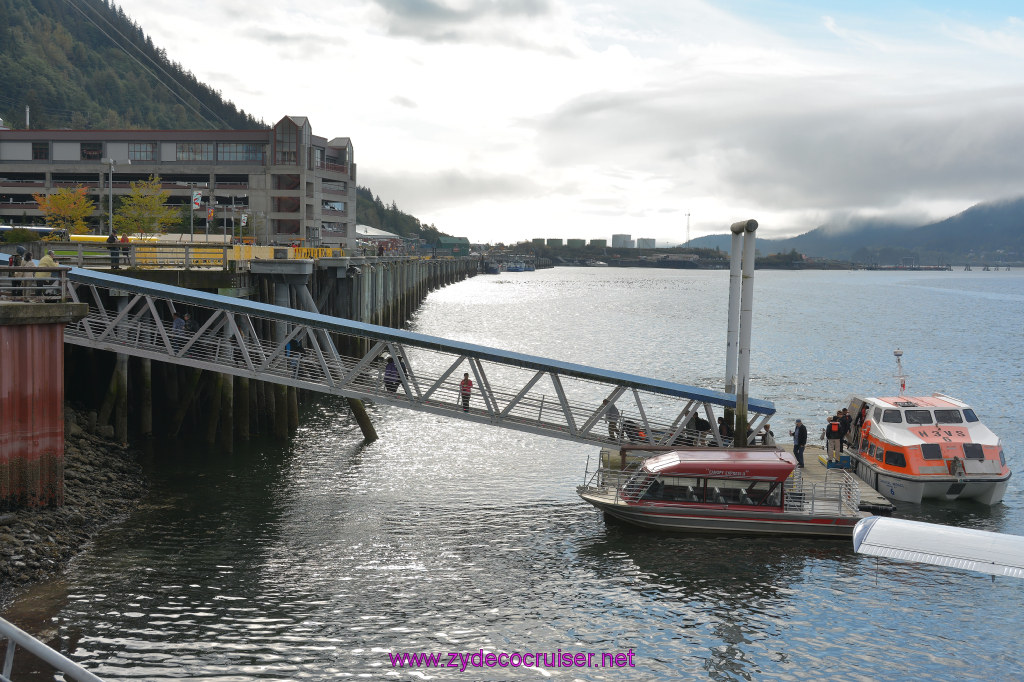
[
  {"x": 752, "y": 491},
  {"x": 912, "y": 448}
]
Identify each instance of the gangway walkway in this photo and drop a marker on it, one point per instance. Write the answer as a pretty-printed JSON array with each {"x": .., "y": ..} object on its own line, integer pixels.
[{"x": 297, "y": 348}]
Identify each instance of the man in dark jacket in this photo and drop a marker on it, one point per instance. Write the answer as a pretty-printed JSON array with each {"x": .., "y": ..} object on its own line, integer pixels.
[
  {"x": 845, "y": 420},
  {"x": 799, "y": 434}
]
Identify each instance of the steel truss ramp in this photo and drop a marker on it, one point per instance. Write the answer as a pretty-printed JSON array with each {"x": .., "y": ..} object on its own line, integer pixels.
[{"x": 297, "y": 348}]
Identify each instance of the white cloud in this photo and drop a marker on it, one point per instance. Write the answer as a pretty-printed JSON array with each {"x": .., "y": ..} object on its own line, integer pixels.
[{"x": 511, "y": 120}]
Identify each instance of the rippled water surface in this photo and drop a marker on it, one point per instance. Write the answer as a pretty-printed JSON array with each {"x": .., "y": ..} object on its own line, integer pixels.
[{"x": 317, "y": 559}]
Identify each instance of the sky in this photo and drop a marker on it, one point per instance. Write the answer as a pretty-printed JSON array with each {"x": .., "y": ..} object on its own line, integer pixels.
[{"x": 509, "y": 120}]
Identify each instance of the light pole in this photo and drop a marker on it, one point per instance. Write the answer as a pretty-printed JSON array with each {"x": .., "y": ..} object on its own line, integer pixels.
[{"x": 110, "y": 197}]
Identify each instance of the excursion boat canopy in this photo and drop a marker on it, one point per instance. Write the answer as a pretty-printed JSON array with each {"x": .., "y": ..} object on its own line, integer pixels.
[{"x": 751, "y": 465}]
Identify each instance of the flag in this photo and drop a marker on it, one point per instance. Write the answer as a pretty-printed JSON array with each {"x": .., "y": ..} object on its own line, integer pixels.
[
  {"x": 209, "y": 213},
  {"x": 197, "y": 199},
  {"x": 245, "y": 219}
]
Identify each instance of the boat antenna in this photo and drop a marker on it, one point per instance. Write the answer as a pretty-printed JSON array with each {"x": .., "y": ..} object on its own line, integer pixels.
[{"x": 899, "y": 371}]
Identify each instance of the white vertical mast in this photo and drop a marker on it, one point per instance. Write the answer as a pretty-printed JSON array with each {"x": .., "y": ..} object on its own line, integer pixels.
[{"x": 899, "y": 371}]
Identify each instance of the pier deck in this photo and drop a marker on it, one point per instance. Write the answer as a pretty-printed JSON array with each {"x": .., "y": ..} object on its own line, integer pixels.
[{"x": 814, "y": 471}]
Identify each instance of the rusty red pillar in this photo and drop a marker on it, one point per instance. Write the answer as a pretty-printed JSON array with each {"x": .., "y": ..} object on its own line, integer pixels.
[{"x": 32, "y": 402}]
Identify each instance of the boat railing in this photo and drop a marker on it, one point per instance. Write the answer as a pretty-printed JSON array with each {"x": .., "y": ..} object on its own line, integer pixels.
[
  {"x": 17, "y": 637},
  {"x": 628, "y": 483},
  {"x": 838, "y": 494}
]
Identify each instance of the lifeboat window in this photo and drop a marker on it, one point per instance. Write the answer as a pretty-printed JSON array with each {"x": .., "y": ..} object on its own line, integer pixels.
[
  {"x": 931, "y": 451},
  {"x": 1002, "y": 458},
  {"x": 919, "y": 416},
  {"x": 892, "y": 417},
  {"x": 948, "y": 417},
  {"x": 973, "y": 451},
  {"x": 970, "y": 416},
  {"x": 896, "y": 459},
  {"x": 877, "y": 414}
]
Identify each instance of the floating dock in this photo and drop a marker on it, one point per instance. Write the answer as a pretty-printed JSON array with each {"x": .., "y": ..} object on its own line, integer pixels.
[{"x": 814, "y": 471}]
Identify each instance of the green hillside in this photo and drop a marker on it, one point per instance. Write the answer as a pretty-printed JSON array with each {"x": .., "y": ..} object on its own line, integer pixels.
[
  {"x": 64, "y": 60},
  {"x": 85, "y": 64}
]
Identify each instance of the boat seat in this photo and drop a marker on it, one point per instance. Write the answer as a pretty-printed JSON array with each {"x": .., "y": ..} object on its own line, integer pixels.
[{"x": 745, "y": 499}]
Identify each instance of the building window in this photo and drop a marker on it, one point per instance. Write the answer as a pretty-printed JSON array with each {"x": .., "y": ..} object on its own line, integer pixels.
[
  {"x": 142, "y": 151},
  {"x": 240, "y": 151},
  {"x": 286, "y": 144},
  {"x": 92, "y": 151},
  {"x": 194, "y": 151},
  {"x": 40, "y": 151}
]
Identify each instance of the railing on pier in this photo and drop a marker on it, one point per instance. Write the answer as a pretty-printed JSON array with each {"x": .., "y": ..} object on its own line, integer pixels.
[
  {"x": 346, "y": 358},
  {"x": 145, "y": 256},
  {"x": 22, "y": 284},
  {"x": 19, "y": 638},
  {"x": 178, "y": 255}
]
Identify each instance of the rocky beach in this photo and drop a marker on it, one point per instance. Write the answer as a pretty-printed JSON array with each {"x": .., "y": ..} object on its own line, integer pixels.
[{"x": 103, "y": 481}]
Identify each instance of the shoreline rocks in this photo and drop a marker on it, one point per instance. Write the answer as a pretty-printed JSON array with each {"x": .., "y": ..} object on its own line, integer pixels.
[{"x": 103, "y": 481}]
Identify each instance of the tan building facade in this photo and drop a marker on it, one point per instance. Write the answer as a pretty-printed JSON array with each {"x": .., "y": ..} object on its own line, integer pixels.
[{"x": 285, "y": 184}]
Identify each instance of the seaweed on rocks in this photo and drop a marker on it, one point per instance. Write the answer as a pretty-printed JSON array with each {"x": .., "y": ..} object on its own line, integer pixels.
[{"x": 103, "y": 482}]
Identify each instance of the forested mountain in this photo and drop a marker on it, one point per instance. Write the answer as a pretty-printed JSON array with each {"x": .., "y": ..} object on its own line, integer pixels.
[
  {"x": 987, "y": 233},
  {"x": 85, "y": 64},
  {"x": 64, "y": 60},
  {"x": 375, "y": 213}
]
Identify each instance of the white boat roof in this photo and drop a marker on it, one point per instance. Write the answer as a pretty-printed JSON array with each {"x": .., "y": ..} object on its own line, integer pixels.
[
  {"x": 915, "y": 434},
  {"x": 931, "y": 543},
  {"x": 935, "y": 400}
]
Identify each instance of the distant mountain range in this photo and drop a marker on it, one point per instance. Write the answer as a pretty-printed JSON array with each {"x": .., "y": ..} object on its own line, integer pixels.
[{"x": 985, "y": 233}]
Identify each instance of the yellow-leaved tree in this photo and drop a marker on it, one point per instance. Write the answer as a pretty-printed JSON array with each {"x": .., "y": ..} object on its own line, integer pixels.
[
  {"x": 66, "y": 209},
  {"x": 144, "y": 210}
]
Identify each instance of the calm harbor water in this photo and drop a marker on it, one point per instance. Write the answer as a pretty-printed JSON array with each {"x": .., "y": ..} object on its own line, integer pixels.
[{"x": 316, "y": 559}]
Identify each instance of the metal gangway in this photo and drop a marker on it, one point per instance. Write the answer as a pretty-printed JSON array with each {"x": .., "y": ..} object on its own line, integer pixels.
[{"x": 301, "y": 349}]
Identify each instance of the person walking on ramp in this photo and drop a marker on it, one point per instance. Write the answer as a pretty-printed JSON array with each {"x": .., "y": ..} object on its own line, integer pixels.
[{"x": 465, "y": 390}]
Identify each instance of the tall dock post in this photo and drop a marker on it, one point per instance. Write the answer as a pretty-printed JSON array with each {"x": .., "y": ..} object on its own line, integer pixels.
[
  {"x": 32, "y": 402},
  {"x": 746, "y": 321},
  {"x": 733, "y": 328}
]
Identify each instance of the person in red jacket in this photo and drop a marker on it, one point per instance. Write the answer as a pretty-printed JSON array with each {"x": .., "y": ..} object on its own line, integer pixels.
[{"x": 465, "y": 390}]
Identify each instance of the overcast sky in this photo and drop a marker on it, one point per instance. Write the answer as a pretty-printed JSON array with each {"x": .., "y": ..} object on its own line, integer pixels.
[{"x": 505, "y": 120}]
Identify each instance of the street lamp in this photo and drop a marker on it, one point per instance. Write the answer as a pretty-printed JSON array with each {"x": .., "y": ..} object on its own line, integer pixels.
[{"x": 110, "y": 197}]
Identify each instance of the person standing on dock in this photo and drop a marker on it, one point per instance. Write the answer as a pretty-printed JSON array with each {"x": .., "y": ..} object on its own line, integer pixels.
[
  {"x": 115, "y": 250},
  {"x": 465, "y": 390},
  {"x": 845, "y": 420},
  {"x": 612, "y": 415},
  {"x": 832, "y": 435},
  {"x": 799, "y": 434}
]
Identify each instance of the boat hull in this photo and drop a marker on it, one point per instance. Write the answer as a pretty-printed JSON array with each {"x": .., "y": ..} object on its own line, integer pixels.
[
  {"x": 915, "y": 489},
  {"x": 721, "y": 520}
]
